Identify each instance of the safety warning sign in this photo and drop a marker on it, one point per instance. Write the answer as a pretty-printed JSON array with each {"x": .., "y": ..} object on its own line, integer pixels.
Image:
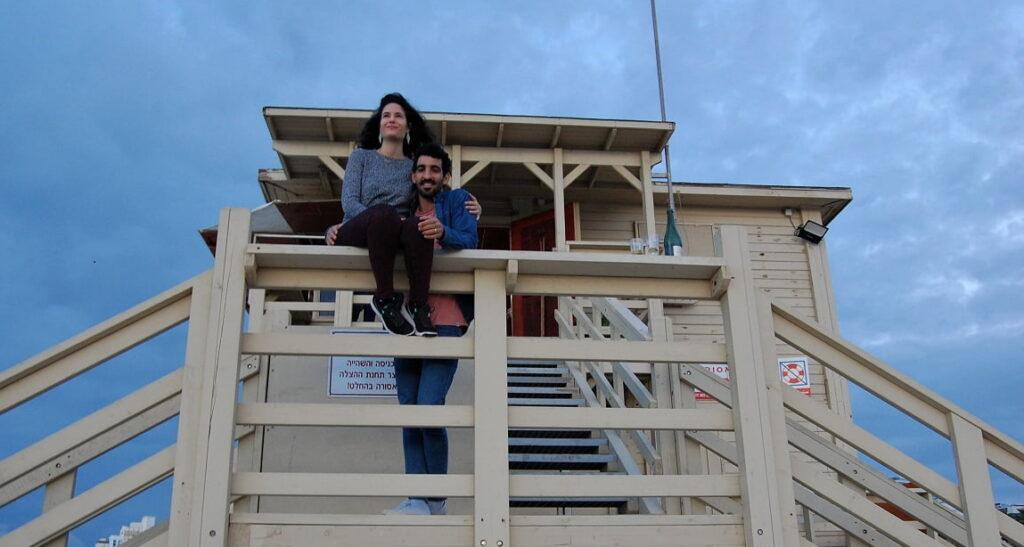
[{"x": 793, "y": 371}]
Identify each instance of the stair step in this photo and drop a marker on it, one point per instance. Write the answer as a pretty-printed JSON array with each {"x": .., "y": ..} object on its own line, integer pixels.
[
  {"x": 533, "y": 390},
  {"x": 550, "y": 381},
  {"x": 559, "y": 462},
  {"x": 557, "y": 446},
  {"x": 524, "y": 401},
  {"x": 549, "y": 433},
  {"x": 568, "y": 502},
  {"x": 535, "y": 362},
  {"x": 536, "y": 371}
]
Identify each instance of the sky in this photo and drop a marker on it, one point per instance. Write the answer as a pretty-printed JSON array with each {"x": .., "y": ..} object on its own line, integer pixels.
[{"x": 127, "y": 125}]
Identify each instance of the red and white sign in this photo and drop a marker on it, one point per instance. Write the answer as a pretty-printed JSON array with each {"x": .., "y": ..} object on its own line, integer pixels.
[{"x": 794, "y": 372}]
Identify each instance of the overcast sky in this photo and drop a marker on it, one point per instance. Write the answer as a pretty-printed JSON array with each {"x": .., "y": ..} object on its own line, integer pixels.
[{"x": 127, "y": 125}]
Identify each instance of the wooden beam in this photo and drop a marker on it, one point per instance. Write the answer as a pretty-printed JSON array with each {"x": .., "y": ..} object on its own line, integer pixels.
[
  {"x": 555, "y": 136},
  {"x": 629, "y": 177},
  {"x": 330, "y": 128},
  {"x": 353, "y": 415},
  {"x": 369, "y": 345},
  {"x": 217, "y": 419},
  {"x": 557, "y": 485},
  {"x": 94, "y": 346},
  {"x": 610, "y": 138},
  {"x": 558, "y": 186},
  {"x": 491, "y": 411},
  {"x": 540, "y": 174},
  {"x": 975, "y": 482},
  {"x": 501, "y": 135},
  {"x": 584, "y": 350},
  {"x": 704, "y": 419},
  {"x": 573, "y": 175},
  {"x": 351, "y": 484},
  {"x": 648, "y": 194},
  {"x": 335, "y": 168},
  {"x": 68, "y": 515},
  {"x": 474, "y": 171}
]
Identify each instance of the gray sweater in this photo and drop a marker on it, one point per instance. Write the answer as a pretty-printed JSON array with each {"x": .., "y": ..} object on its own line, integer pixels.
[{"x": 373, "y": 179}]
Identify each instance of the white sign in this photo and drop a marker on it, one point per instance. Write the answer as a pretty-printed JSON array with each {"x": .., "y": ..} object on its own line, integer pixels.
[
  {"x": 355, "y": 376},
  {"x": 793, "y": 371}
]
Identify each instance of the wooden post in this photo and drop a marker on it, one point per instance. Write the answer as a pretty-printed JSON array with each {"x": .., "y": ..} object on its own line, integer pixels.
[
  {"x": 217, "y": 414},
  {"x": 57, "y": 492},
  {"x": 769, "y": 512},
  {"x": 194, "y": 389},
  {"x": 660, "y": 381},
  {"x": 557, "y": 172},
  {"x": 456, "y": 180},
  {"x": 490, "y": 412},
  {"x": 975, "y": 482},
  {"x": 648, "y": 198}
]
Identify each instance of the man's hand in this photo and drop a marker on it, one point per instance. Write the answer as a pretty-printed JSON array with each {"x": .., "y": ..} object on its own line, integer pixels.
[
  {"x": 332, "y": 234},
  {"x": 431, "y": 228}
]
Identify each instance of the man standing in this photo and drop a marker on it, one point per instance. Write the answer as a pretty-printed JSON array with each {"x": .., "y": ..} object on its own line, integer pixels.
[{"x": 421, "y": 381}]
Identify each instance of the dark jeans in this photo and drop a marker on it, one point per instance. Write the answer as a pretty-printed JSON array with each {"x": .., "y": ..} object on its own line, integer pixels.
[
  {"x": 381, "y": 231},
  {"x": 426, "y": 382}
]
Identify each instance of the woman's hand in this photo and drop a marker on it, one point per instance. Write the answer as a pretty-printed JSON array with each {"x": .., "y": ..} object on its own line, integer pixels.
[
  {"x": 473, "y": 207},
  {"x": 331, "y": 235}
]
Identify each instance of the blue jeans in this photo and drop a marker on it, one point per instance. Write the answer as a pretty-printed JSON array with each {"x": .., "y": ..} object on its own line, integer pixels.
[{"x": 426, "y": 382}]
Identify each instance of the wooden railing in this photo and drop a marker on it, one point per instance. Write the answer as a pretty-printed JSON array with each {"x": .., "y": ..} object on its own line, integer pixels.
[{"x": 756, "y": 505}]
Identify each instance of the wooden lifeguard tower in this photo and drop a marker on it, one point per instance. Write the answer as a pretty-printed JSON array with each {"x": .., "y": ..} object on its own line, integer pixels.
[{"x": 589, "y": 408}]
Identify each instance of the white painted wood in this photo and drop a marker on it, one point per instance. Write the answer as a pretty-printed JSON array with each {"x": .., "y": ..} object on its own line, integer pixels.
[
  {"x": 975, "y": 482},
  {"x": 87, "y": 350},
  {"x": 558, "y": 187},
  {"x": 71, "y": 513},
  {"x": 473, "y": 171},
  {"x": 351, "y": 484},
  {"x": 540, "y": 174},
  {"x": 769, "y": 512},
  {"x": 647, "y": 189},
  {"x": 331, "y": 164},
  {"x": 359, "y": 415},
  {"x": 297, "y": 257},
  {"x": 195, "y": 389},
  {"x": 614, "y": 418},
  {"x": 75, "y": 444},
  {"x": 57, "y": 492},
  {"x": 556, "y": 485},
  {"x": 492, "y": 416},
  {"x": 222, "y": 355},
  {"x": 893, "y": 387},
  {"x": 553, "y": 348},
  {"x": 277, "y": 343}
]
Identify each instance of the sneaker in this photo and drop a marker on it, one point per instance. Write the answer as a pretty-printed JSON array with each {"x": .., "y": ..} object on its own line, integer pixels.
[
  {"x": 438, "y": 507},
  {"x": 390, "y": 312},
  {"x": 419, "y": 316},
  {"x": 411, "y": 506}
]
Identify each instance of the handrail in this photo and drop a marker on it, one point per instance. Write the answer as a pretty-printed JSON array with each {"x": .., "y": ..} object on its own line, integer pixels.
[
  {"x": 893, "y": 386},
  {"x": 95, "y": 345}
]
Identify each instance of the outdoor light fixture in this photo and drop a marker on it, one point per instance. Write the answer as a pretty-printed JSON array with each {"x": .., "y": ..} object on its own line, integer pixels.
[{"x": 811, "y": 231}]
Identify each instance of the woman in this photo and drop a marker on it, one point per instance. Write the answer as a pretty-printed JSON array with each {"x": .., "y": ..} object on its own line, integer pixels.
[{"x": 375, "y": 198}]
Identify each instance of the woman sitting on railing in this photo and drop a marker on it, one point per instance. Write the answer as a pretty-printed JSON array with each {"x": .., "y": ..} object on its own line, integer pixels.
[{"x": 375, "y": 198}]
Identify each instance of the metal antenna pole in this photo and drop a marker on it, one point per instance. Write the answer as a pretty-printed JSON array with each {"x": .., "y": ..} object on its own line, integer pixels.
[
  {"x": 673, "y": 240},
  {"x": 661, "y": 96}
]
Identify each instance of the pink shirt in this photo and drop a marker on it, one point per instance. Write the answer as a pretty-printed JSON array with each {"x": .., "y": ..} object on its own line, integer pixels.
[{"x": 446, "y": 309}]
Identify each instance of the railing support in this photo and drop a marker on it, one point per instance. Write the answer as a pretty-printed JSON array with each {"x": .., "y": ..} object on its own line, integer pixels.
[
  {"x": 214, "y": 434},
  {"x": 769, "y": 510},
  {"x": 975, "y": 482},
  {"x": 490, "y": 412}
]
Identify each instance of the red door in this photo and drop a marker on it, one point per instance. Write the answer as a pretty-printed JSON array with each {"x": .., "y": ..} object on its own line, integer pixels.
[{"x": 535, "y": 315}]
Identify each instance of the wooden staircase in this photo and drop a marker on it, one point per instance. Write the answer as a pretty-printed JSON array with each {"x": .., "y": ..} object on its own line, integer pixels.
[{"x": 569, "y": 451}]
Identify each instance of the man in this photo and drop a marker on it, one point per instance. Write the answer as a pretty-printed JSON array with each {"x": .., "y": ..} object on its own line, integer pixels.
[{"x": 420, "y": 381}]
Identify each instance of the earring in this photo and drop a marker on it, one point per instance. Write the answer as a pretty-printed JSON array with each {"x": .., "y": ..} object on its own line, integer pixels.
[
  {"x": 408, "y": 137},
  {"x": 380, "y": 138}
]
